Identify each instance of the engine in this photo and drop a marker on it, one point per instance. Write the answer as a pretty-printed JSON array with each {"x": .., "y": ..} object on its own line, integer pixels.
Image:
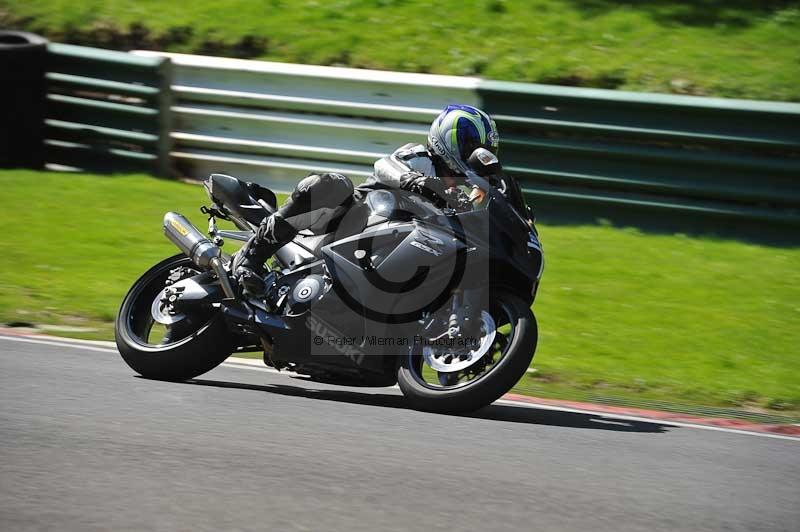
[{"x": 298, "y": 293}]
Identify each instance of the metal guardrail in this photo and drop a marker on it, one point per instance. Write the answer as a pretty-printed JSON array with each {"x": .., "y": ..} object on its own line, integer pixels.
[
  {"x": 107, "y": 110},
  {"x": 732, "y": 158},
  {"x": 683, "y": 155},
  {"x": 275, "y": 122}
]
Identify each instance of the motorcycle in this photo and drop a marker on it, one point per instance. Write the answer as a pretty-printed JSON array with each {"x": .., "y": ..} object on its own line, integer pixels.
[{"x": 436, "y": 300}]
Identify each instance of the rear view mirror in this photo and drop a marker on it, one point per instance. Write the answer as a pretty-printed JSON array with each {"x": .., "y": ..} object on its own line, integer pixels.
[{"x": 484, "y": 162}]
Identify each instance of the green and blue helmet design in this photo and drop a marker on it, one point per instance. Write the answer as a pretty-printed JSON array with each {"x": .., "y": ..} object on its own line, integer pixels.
[{"x": 458, "y": 131}]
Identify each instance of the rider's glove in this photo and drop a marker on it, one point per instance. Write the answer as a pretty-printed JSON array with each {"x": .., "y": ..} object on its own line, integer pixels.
[
  {"x": 457, "y": 200},
  {"x": 429, "y": 187}
]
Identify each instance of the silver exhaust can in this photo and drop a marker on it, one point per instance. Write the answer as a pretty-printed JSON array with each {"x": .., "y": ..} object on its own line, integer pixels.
[
  {"x": 190, "y": 240},
  {"x": 197, "y": 247}
]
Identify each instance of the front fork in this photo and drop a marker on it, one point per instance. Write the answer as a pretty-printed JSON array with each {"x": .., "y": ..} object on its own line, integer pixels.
[
  {"x": 462, "y": 320},
  {"x": 465, "y": 314}
]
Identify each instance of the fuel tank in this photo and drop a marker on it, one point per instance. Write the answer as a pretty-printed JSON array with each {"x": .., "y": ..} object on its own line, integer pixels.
[{"x": 395, "y": 273}]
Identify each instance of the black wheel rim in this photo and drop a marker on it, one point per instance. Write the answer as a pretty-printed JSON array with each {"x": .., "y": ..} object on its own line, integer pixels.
[{"x": 140, "y": 325}]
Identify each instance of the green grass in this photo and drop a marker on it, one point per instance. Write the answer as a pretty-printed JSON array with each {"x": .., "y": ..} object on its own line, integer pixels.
[
  {"x": 676, "y": 318},
  {"x": 73, "y": 244},
  {"x": 621, "y": 313},
  {"x": 732, "y": 48}
]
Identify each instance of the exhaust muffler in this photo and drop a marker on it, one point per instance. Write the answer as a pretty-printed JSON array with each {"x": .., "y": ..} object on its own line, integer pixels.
[{"x": 197, "y": 247}]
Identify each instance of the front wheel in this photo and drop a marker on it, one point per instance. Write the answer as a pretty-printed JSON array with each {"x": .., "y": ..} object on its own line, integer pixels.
[
  {"x": 190, "y": 345},
  {"x": 509, "y": 340}
]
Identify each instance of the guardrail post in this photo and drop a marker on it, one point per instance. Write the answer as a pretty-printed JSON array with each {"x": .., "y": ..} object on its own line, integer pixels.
[{"x": 165, "y": 100}]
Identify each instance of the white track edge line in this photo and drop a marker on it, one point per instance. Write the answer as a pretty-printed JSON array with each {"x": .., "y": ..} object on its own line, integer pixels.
[
  {"x": 539, "y": 406},
  {"x": 73, "y": 344}
]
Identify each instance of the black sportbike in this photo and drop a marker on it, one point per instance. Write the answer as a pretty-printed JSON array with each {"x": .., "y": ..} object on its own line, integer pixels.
[{"x": 399, "y": 292}]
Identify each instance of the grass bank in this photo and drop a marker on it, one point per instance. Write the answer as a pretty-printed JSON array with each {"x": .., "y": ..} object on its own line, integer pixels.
[
  {"x": 732, "y": 48},
  {"x": 621, "y": 313}
]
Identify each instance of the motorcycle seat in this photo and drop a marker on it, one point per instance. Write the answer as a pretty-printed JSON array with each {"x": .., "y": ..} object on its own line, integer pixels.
[{"x": 242, "y": 198}]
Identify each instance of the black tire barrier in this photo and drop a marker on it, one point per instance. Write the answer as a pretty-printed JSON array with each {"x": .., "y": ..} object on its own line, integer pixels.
[{"x": 22, "y": 99}]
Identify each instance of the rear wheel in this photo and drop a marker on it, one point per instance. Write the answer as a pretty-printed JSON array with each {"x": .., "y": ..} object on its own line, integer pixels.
[
  {"x": 441, "y": 382},
  {"x": 191, "y": 345}
]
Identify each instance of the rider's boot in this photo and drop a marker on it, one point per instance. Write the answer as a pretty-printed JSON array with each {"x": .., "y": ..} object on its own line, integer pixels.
[
  {"x": 248, "y": 266},
  {"x": 248, "y": 263}
]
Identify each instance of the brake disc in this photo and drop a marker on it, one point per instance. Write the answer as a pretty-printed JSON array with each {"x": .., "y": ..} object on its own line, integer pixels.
[
  {"x": 162, "y": 309},
  {"x": 448, "y": 360}
]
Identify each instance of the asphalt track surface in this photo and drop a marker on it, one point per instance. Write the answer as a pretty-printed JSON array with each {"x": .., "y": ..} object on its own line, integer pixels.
[{"x": 86, "y": 445}]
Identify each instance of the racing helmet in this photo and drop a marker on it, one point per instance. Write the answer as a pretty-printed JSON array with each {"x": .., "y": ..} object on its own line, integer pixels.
[{"x": 458, "y": 131}]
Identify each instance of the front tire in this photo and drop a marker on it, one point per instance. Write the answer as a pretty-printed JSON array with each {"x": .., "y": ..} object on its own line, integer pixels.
[
  {"x": 453, "y": 397},
  {"x": 201, "y": 345}
]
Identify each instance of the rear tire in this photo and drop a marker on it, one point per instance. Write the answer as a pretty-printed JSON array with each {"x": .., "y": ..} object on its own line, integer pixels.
[
  {"x": 490, "y": 387},
  {"x": 201, "y": 351}
]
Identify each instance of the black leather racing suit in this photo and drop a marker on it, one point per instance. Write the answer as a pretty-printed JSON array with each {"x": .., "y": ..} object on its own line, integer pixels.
[
  {"x": 411, "y": 167},
  {"x": 320, "y": 199}
]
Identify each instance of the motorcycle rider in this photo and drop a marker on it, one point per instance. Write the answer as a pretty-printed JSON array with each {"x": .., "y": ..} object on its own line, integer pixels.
[{"x": 319, "y": 200}]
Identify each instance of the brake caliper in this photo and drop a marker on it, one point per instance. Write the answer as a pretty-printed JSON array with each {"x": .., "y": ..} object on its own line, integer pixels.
[
  {"x": 163, "y": 307},
  {"x": 178, "y": 274}
]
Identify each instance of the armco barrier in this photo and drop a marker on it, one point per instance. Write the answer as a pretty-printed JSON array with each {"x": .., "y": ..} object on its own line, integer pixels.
[
  {"x": 277, "y": 122},
  {"x": 675, "y": 155},
  {"x": 734, "y": 158},
  {"x": 107, "y": 110}
]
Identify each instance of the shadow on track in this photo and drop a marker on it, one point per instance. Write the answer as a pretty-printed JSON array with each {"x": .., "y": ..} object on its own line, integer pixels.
[{"x": 514, "y": 414}]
